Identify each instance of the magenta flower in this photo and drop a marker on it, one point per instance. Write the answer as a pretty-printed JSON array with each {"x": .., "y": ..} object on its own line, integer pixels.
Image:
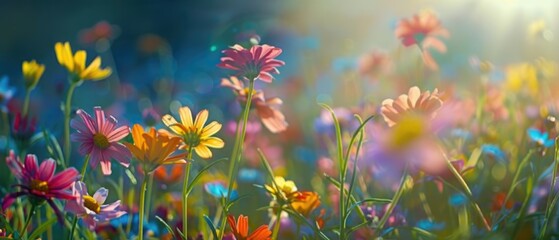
[
  {"x": 91, "y": 209},
  {"x": 258, "y": 62},
  {"x": 99, "y": 138},
  {"x": 39, "y": 183}
]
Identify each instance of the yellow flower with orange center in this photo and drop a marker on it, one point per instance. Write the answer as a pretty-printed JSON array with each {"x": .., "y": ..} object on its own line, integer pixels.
[
  {"x": 195, "y": 134},
  {"x": 75, "y": 63}
]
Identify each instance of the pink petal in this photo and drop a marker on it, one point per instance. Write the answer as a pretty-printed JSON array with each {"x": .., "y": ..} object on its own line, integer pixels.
[
  {"x": 106, "y": 167},
  {"x": 31, "y": 165},
  {"x": 118, "y": 134},
  {"x": 46, "y": 170},
  {"x": 101, "y": 195},
  {"x": 64, "y": 179}
]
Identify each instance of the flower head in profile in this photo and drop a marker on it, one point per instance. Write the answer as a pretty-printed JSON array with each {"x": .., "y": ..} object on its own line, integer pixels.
[
  {"x": 423, "y": 104},
  {"x": 195, "y": 133},
  {"x": 258, "y": 62},
  {"x": 99, "y": 138},
  {"x": 75, "y": 63},
  {"x": 240, "y": 229},
  {"x": 6, "y": 92},
  {"x": 153, "y": 149},
  {"x": 32, "y": 72},
  {"x": 91, "y": 209},
  {"x": 542, "y": 139},
  {"x": 266, "y": 109},
  {"x": 282, "y": 189},
  {"x": 423, "y": 30},
  {"x": 39, "y": 183}
]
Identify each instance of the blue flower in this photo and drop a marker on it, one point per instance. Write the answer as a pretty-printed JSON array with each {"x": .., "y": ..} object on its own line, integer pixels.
[
  {"x": 430, "y": 225},
  {"x": 219, "y": 190},
  {"x": 457, "y": 200},
  {"x": 150, "y": 228},
  {"x": 494, "y": 151},
  {"x": 6, "y": 92},
  {"x": 541, "y": 138},
  {"x": 250, "y": 175}
]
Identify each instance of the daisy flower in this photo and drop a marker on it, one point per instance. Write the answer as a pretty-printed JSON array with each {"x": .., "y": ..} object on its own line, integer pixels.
[
  {"x": 99, "y": 138},
  {"x": 415, "y": 102},
  {"x": 195, "y": 134},
  {"x": 39, "y": 183},
  {"x": 90, "y": 208},
  {"x": 258, "y": 62}
]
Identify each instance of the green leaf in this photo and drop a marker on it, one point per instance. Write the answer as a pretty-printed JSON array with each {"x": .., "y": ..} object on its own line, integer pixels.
[
  {"x": 202, "y": 171},
  {"x": 131, "y": 176},
  {"x": 211, "y": 225},
  {"x": 38, "y": 231},
  {"x": 166, "y": 226},
  {"x": 474, "y": 158}
]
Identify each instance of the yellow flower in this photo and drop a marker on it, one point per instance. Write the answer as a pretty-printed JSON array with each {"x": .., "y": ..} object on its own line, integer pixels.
[
  {"x": 154, "y": 149},
  {"x": 287, "y": 189},
  {"x": 75, "y": 63},
  {"x": 194, "y": 134},
  {"x": 408, "y": 130},
  {"x": 32, "y": 72},
  {"x": 522, "y": 77}
]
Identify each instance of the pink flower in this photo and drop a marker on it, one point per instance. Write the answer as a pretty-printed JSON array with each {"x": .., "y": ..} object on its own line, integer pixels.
[
  {"x": 99, "y": 138},
  {"x": 266, "y": 109},
  {"x": 373, "y": 64},
  {"x": 91, "y": 209},
  {"x": 423, "y": 104},
  {"x": 39, "y": 183},
  {"x": 258, "y": 62},
  {"x": 423, "y": 30}
]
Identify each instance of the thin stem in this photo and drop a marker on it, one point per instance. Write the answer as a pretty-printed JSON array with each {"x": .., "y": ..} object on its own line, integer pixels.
[
  {"x": 75, "y": 221},
  {"x": 67, "y": 115},
  {"x": 26, "y": 102},
  {"x": 277, "y": 224},
  {"x": 395, "y": 200},
  {"x": 551, "y": 190},
  {"x": 24, "y": 229},
  {"x": 149, "y": 195},
  {"x": 185, "y": 194},
  {"x": 142, "y": 208},
  {"x": 236, "y": 153}
]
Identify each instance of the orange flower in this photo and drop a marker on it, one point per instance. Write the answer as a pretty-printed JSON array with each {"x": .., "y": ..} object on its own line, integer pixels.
[
  {"x": 424, "y": 104},
  {"x": 306, "y": 202},
  {"x": 240, "y": 229},
  {"x": 168, "y": 176},
  {"x": 422, "y": 30}
]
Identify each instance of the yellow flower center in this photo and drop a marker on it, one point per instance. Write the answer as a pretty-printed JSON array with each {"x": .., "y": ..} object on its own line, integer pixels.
[
  {"x": 101, "y": 141},
  {"x": 409, "y": 129},
  {"x": 39, "y": 185},
  {"x": 247, "y": 90},
  {"x": 91, "y": 204}
]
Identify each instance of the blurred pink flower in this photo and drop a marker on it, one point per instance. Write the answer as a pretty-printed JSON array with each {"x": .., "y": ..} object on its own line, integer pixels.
[
  {"x": 40, "y": 183},
  {"x": 422, "y": 30},
  {"x": 90, "y": 208},
  {"x": 101, "y": 30},
  {"x": 416, "y": 103},
  {"x": 258, "y": 62},
  {"x": 266, "y": 109},
  {"x": 495, "y": 104},
  {"x": 99, "y": 138},
  {"x": 374, "y": 63}
]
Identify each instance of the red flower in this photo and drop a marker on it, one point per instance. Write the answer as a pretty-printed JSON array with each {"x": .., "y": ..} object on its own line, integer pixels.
[
  {"x": 240, "y": 229},
  {"x": 258, "y": 62}
]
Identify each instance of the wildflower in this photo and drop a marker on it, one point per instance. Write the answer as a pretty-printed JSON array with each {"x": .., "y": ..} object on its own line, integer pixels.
[
  {"x": 193, "y": 133},
  {"x": 266, "y": 109},
  {"x": 522, "y": 78},
  {"x": 103, "y": 30},
  {"x": 282, "y": 189},
  {"x": 423, "y": 30},
  {"x": 153, "y": 149},
  {"x": 163, "y": 174},
  {"x": 374, "y": 63},
  {"x": 540, "y": 138},
  {"x": 495, "y": 152},
  {"x": 240, "y": 229},
  {"x": 423, "y": 104},
  {"x": 32, "y": 72},
  {"x": 375, "y": 213},
  {"x": 258, "y": 62},
  {"x": 99, "y": 138},
  {"x": 6, "y": 92},
  {"x": 495, "y": 104},
  {"x": 23, "y": 128},
  {"x": 90, "y": 208},
  {"x": 306, "y": 202},
  {"x": 218, "y": 189},
  {"x": 75, "y": 64},
  {"x": 39, "y": 183}
]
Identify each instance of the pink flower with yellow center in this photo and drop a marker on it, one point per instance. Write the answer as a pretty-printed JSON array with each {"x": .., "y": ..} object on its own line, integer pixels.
[
  {"x": 39, "y": 183},
  {"x": 415, "y": 103},
  {"x": 90, "y": 208},
  {"x": 258, "y": 62},
  {"x": 99, "y": 138}
]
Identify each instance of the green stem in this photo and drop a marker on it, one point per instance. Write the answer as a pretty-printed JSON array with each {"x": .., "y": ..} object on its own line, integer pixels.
[
  {"x": 149, "y": 195},
  {"x": 551, "y": 191},
  {"x": 24, "y": 229},
  {"x": 516, "y": 176},
  {"x": 26, "y": 102},
  {"x": 277, "y": 225},
  {"x": 67, "y": 115},
  {"x": 142, "y": 208},
  {"x": 395, "y": 200},
  {"x": 185, "y": 194},
  {"x": 75, "y": 221},
  {"x": 236, "y": 154}
]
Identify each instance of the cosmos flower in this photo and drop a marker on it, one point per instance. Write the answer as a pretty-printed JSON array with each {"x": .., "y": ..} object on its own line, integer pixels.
[
  {"x": 75, "y": 63},
  {"x": 39, "y": 183},
  {"x": 258, "y": 62},
  {"x": 423, "y": 30},
  {"x": 90, "y": 208},
  {"x": 240, "y": 229},
  {"x": 99, "y": 138},
  {"x": 306, "y": 202},
  {"x": 32, "y": 72},
  {"x": 195, "y": 134},
  {"x": 153, "y": 149},
  {"x": 266, "y": 109},
  {"x": 414, "y": 103},
  {"x": 6, "y": 92},
  {"x": 542, "y": 139}
]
